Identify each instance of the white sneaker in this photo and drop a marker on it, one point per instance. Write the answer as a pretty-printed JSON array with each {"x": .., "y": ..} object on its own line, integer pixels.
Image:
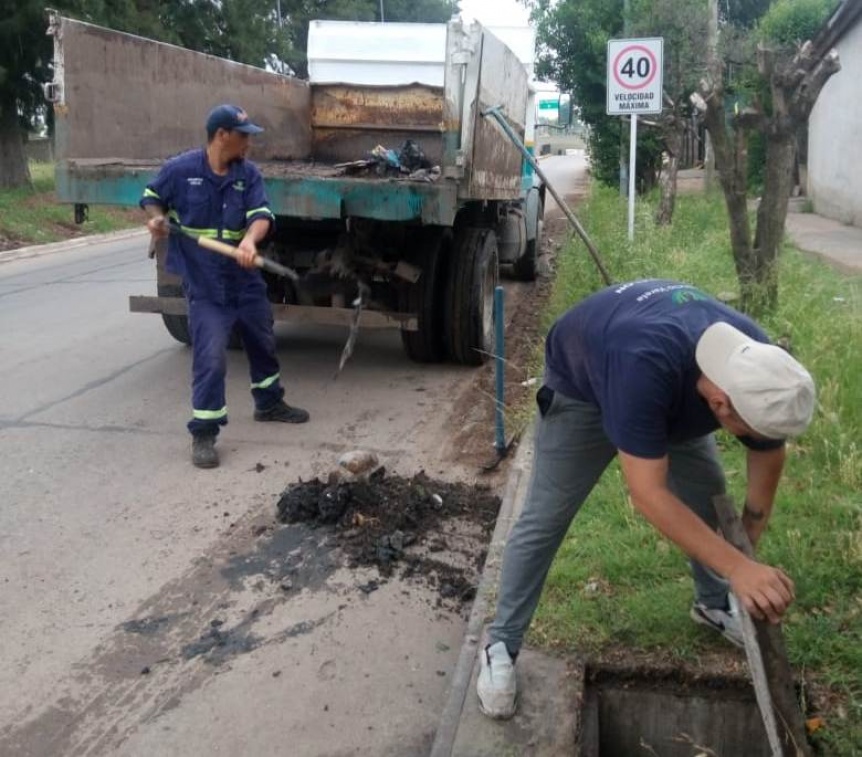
[
  {"x": 726, "y": 622},
  {"x": 496, "y": 686}
]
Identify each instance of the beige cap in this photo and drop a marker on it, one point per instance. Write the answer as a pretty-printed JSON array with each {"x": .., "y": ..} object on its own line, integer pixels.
[{"x": 769, "y": 389}]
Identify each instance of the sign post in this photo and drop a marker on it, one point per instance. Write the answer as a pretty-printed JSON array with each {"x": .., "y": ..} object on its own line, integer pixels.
[{"x": 635, "y": 79}]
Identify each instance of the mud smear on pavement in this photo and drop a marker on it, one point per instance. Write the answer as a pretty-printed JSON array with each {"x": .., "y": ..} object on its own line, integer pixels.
[{"x": 402, "y": 527}]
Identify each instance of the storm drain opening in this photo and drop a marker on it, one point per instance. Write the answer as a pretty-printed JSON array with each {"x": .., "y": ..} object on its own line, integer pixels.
[{"x": 634, "y": 716}]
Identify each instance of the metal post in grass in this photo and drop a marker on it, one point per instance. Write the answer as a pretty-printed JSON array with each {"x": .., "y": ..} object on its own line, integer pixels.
[{"x": 500, "y": 367}]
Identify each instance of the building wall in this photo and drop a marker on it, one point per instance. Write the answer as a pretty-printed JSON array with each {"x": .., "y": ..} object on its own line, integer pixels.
[{"x": 835, "y": 138}]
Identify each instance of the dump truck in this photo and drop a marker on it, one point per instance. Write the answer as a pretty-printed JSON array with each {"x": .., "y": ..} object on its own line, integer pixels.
[{"x": 385, "y": 179}]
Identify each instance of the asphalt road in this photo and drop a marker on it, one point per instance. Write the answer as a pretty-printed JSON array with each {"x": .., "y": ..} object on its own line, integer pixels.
[{"x": 117, "y": 556}]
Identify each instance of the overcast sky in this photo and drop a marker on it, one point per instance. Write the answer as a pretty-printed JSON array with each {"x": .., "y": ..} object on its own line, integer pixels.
[{"x": 497, "y": 12}]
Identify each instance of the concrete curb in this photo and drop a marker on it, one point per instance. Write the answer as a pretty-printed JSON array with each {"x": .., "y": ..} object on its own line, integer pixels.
[
  {"x": 19, "y": 253},
  {"x": 447, "y": 729}
]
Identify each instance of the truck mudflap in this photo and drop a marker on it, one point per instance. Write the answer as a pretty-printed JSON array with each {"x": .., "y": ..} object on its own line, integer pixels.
[{"x": 330, "y": 316}]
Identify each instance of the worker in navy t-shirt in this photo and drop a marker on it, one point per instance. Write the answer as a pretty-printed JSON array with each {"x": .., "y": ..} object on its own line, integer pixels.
[
  {"x": 215, "y": 192},
  {"x": 648, "y": 371}
]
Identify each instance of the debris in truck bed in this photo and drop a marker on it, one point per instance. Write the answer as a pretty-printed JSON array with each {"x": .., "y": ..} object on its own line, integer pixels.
[
  {"x": 393, "y": 522},
  {"x": 407, "y": 163}
]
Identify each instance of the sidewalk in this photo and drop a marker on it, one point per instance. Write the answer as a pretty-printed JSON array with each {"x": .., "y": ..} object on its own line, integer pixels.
[
  {"x": 836, "y": 243},
  {"x": 33, "y": 251}
]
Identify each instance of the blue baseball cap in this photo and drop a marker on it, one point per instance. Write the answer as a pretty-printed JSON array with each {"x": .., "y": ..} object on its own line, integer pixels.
[{"x": 232, "y": 118}]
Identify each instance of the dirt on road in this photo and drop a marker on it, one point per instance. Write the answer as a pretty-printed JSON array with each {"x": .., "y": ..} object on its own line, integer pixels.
[{"x": 161, "y": 610}]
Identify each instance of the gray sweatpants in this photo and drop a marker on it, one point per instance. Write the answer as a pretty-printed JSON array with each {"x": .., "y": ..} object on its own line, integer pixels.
[{"x": 571, "y": 453}]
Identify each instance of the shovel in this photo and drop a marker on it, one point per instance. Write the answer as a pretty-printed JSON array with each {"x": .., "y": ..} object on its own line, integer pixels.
[{"x": 222, "y": 248}]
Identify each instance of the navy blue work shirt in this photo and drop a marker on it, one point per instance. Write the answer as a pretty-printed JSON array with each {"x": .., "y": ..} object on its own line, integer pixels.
[
  {"x": 630, "y": 350},
  {"x": 209, "y": 205}
]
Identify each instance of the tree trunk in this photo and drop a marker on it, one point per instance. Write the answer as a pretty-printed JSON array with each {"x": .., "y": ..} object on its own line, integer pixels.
[
  {"x": 771, "y": 215},
  {"x": 14, "y": 171},
  {"x": 795, "y": 84},
  {"x": 673, "y": 147},
  {"x": 731, "y": 162}
]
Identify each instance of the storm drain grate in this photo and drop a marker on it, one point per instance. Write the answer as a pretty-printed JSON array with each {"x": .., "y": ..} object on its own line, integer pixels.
[{"x": 639, "y": 717}]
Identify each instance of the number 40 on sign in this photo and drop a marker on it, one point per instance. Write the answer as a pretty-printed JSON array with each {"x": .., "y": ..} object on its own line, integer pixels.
[
  {"x": 635, "y": 81},
  {"x": 635, "y": 76}
]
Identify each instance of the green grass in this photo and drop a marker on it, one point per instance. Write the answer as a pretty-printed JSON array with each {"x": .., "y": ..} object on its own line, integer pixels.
[
  {"x": 616, "y": 581},
  {"x": 34, "y": 216}
]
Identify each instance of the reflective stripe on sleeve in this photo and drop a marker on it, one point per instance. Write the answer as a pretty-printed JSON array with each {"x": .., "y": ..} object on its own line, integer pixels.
[
  {"x": 151, "y": 194},
  {"x": 262, "y": 209}
]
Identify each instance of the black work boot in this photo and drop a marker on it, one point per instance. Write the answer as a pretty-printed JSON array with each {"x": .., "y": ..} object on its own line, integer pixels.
[
  {"x": 283, "y": 413},
  {"x": 204, "y": 453}
]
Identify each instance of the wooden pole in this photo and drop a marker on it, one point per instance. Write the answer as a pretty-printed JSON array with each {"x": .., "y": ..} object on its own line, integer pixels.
[
  {"x": 712, "y": 48},
  {"x": 768, "y": 637}
]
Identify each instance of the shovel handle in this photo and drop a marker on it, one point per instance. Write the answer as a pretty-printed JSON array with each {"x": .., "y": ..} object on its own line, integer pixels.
[{"x": 222, "y": 248}]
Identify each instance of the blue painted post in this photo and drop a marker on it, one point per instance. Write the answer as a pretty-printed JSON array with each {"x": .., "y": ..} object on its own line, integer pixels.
[{"x": 500, "y": 352}]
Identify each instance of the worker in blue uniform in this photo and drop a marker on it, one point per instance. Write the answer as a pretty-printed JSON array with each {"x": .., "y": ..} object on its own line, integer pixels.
[{"x": 215, "y": 192}]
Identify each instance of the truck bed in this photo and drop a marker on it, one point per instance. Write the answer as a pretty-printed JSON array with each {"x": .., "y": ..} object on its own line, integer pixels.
[
  {"x": 123, "y": 104},
  {"x": 298, "y": 189}
]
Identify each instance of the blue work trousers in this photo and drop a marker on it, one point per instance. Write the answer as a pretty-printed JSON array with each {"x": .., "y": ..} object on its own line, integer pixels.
[{"x": 211, "y": 325}]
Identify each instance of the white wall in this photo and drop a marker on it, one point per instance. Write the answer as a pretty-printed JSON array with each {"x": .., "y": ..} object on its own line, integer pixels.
[{"x": 835, "y": 138}]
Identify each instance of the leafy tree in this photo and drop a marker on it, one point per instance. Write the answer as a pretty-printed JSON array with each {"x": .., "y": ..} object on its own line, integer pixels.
[
  {"x": 684, "y": 26},
  {"x": 791, "y": 22},
  {"x": 742, "y": 14},
  {"x": 243, "y": 30},
  {"x": 20, "y": 63},
  {"x": 573, "y": 37}
]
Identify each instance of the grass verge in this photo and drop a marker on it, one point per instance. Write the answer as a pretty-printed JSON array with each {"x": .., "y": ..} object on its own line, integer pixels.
[
  {"x": 34, "y": 216},
  {"x": 616, "y": 582}
]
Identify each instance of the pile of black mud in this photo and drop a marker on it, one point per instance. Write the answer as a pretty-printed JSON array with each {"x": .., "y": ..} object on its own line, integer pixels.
[{"x": 432, "y": 531}]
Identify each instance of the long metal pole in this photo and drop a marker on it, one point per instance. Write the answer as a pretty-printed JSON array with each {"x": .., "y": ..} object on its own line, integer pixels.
[
  {"x": 623, "y": 176},
  {"x": 500, "y": 366},
  {"x": 633, "y": 151},
  {"x": 495, "y": 113},
  {"x": 382, "y": 17}
]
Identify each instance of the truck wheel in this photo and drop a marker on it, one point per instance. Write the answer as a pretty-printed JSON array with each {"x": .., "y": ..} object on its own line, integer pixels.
[
  {"x": 178, "y": 325},
  {"x": 525, "y": 267},
  {"x": 473, "y": 276},
  {"x": 426, "y": 345}
]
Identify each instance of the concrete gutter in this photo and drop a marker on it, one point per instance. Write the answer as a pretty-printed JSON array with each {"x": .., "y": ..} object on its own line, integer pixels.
[
  {"x": 483, "y": 606},
  {"x": 547, "y": 723},
  {"x": 7, "y": 256}
]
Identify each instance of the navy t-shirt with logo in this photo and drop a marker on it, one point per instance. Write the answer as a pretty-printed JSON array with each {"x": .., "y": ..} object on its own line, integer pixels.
[{"x": 630, "y": 350}]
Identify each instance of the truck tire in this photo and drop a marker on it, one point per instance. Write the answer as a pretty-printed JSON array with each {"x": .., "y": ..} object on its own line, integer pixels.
[
  {"x": 178, "y": 325},
  {"x": 426, "y": 345},
  {"x": 473, "y": 277},
  {"x": 525, "y": 268}
]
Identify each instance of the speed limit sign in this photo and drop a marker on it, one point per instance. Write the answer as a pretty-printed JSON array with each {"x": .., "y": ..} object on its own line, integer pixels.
[{"x": 635, "y": 76}]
